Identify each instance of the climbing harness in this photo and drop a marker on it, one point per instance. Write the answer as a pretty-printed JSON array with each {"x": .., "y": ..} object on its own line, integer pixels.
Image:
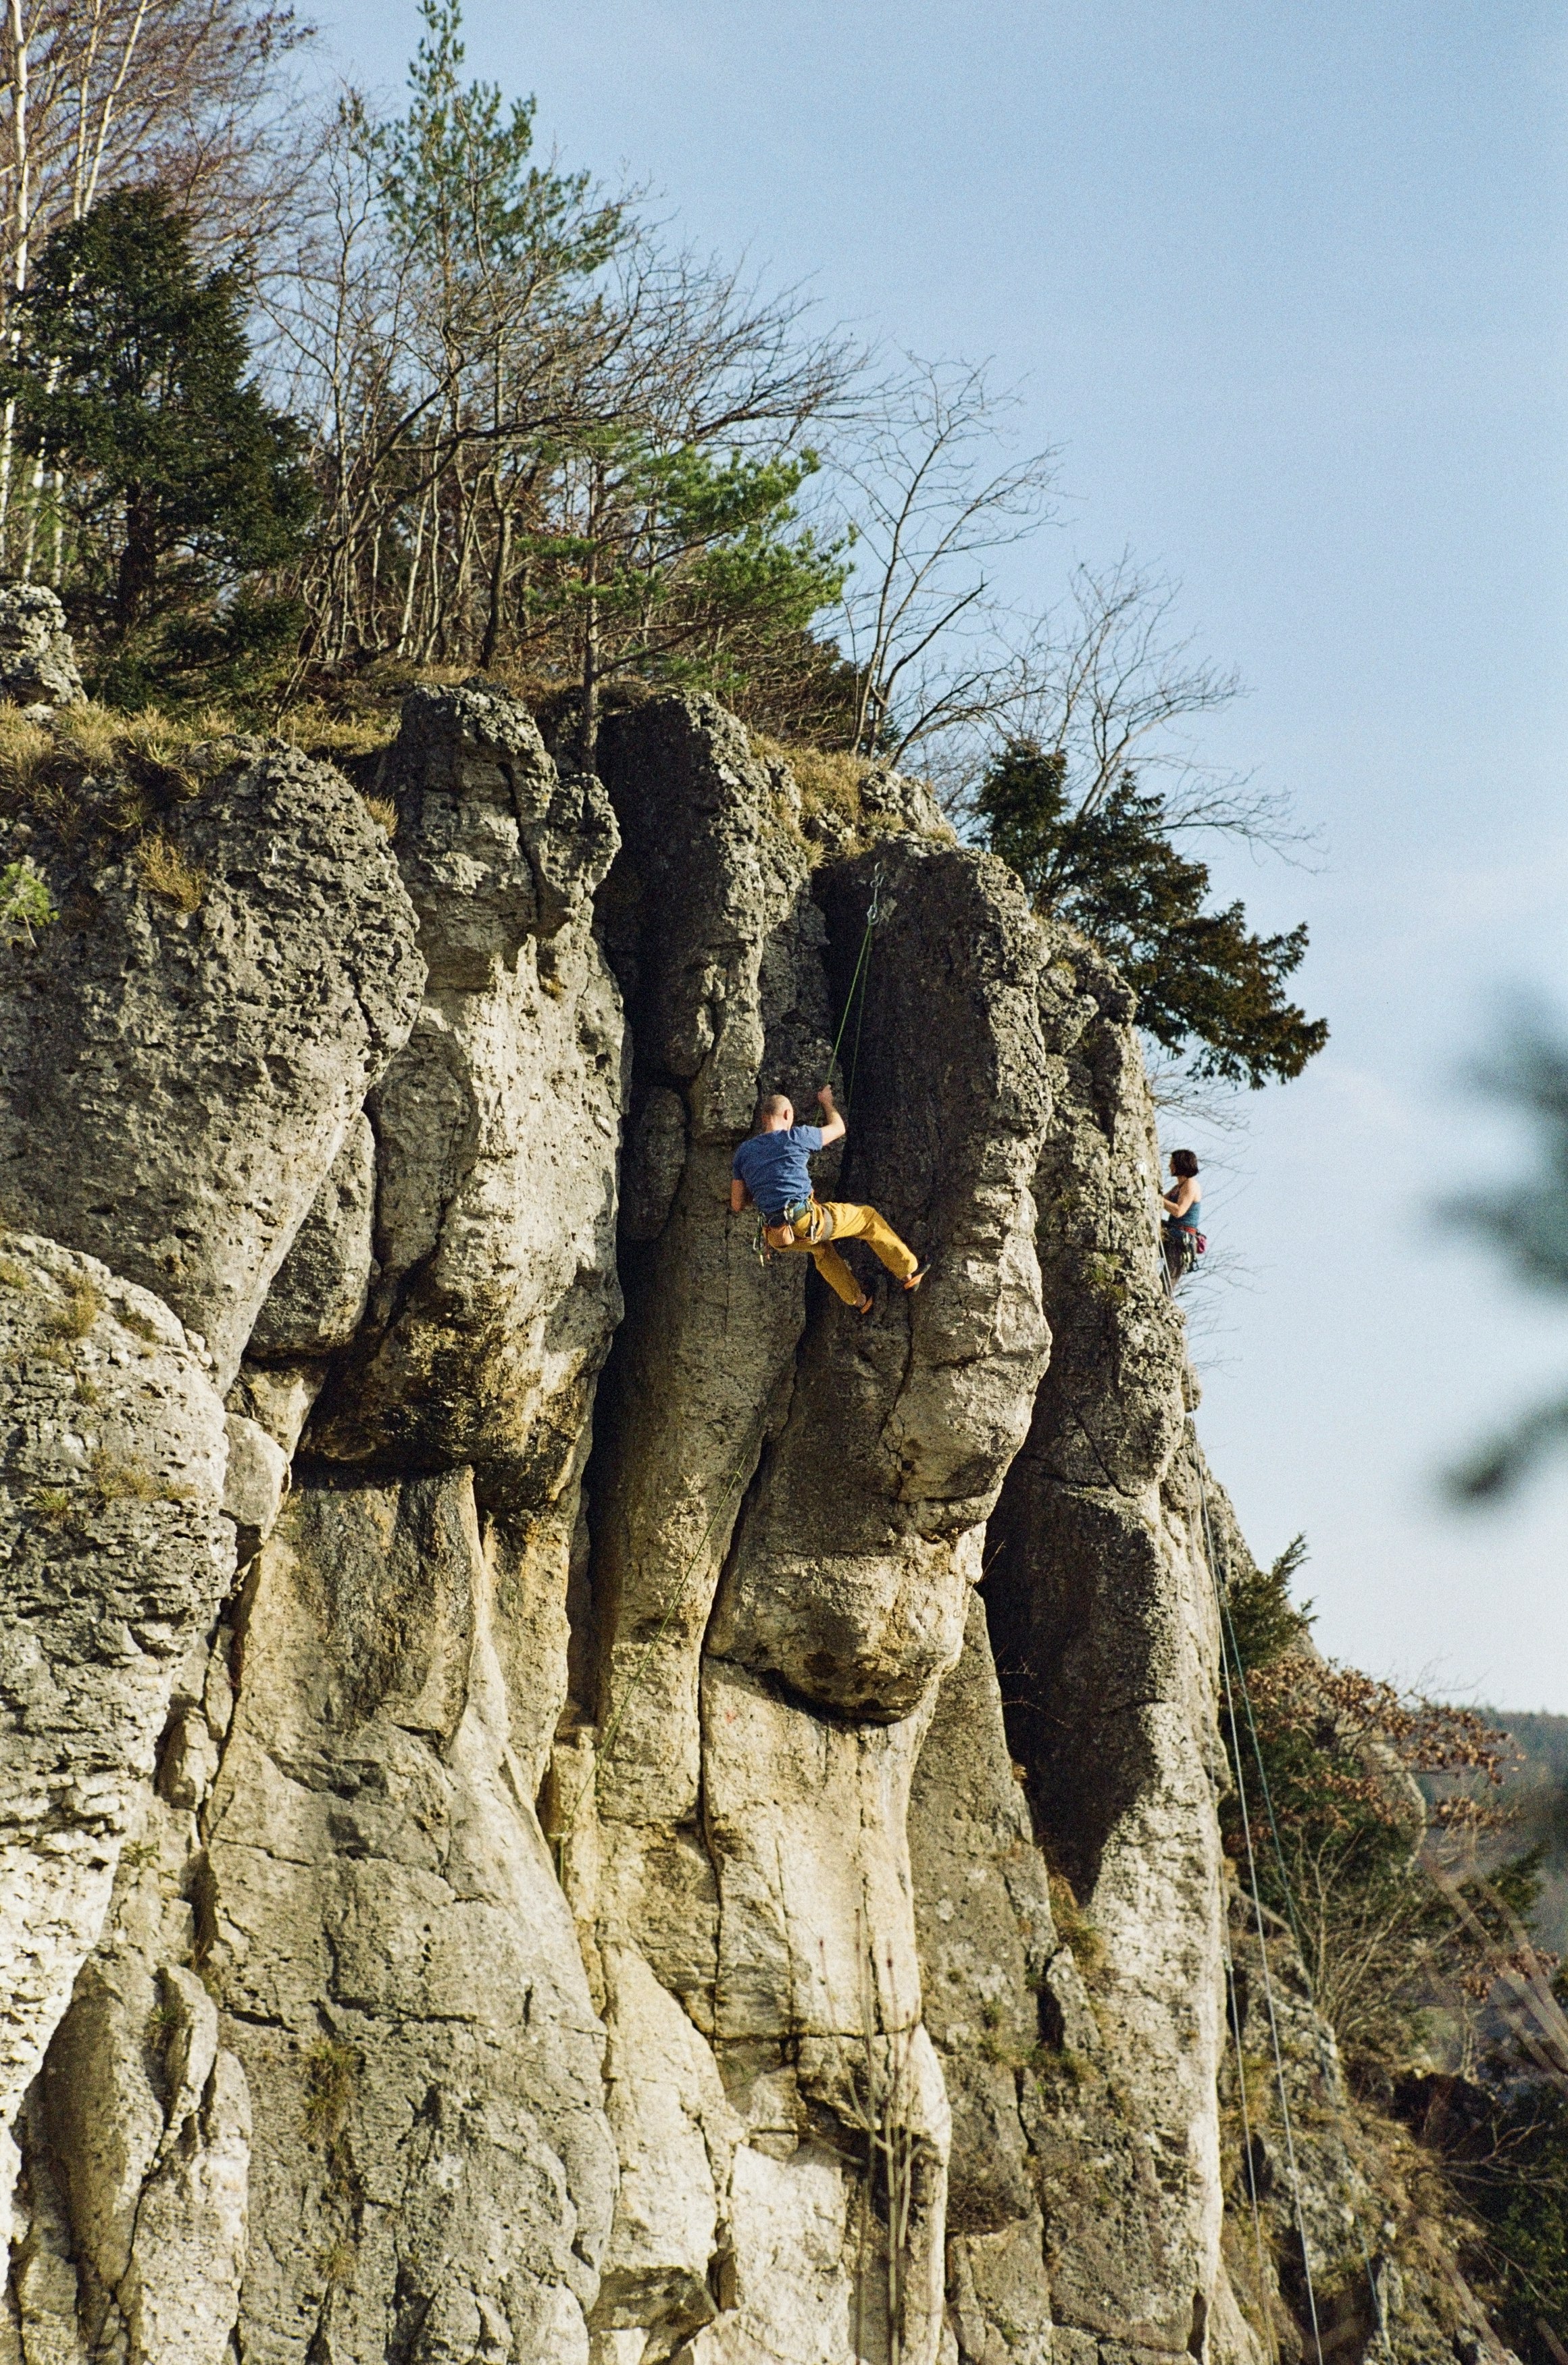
[
  {"x": 805, "y": 1215},
  {"x": 1189, "y": 1246},
  {"x": 1192, "y": 1244}
]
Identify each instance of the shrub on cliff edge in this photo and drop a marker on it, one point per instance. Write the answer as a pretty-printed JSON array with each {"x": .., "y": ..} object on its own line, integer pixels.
[{"x": 1206, "y": 985}]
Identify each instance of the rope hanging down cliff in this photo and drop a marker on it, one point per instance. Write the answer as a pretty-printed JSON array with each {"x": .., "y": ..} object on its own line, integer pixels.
[
  {"x": 862, "y": 971},
  {"x": 1212, "y": 1559},
  {"x": 734, "y": 1476}
]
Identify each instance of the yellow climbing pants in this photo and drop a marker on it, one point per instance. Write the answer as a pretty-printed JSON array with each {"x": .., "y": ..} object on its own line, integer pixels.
[{"x": 844, "y": 1222}]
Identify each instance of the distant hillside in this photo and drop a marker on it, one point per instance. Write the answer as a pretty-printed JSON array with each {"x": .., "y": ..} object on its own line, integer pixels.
[{"x": 1538, "y": 1791}]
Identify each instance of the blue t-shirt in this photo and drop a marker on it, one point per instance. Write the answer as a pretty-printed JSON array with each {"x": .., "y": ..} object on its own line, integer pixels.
[{"x": 773, "y": 1167}]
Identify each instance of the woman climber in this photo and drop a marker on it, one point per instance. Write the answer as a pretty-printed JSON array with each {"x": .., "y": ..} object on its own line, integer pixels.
[
  {"x": 770, "y": 1171},
  {"x": 1184, "y": 1204}
]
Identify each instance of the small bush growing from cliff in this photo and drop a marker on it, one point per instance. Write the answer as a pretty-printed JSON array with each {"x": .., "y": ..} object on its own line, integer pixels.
[
  {"x": 165, "y": 2018},
  {"x": 25, "y": 903},
  {"x": 1327, "y": 1762},
  {"x": 827, "y": 779},
  {"x": 81, "y": 1308},
  {"x": 338, "y": 2263},
  {"x": 120, "y": 1481},
  {"x": 331, "y": 2077}
]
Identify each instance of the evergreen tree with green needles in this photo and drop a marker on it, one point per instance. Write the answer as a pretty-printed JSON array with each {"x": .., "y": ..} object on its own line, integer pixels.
[
  {"x": 130, "y": 378},
  {"x": 1206, "y": 985}
]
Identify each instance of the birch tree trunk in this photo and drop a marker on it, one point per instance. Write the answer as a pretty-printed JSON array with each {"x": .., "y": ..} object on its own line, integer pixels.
[{"x": 18, "y": 43}]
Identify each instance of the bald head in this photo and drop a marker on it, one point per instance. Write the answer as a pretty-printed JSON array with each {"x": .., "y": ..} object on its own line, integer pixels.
[{"x": 775, "y": 1114}]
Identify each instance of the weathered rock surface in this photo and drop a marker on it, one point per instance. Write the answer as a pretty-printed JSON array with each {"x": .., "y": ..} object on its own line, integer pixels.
[
  {"x": 721, "y": 1864},
  {"x": 497, "y": 1126},
  {"x": 37, "y": 661},
  {"x": 987, "y": 1942},
  {"x": 717, "y": 947},
  {"x": 607, "y": 1883},
  {"x": 431, "y": 2165},
  {"x": 905, "y": 1424},
  {"x": 1103, "y": 1614},
  {"x": 175, "y": 1083},
  {"x": 318, "y": 1297},
  {"x": 112, "y": 1453},
  {"x": 149, "y": 2119}
]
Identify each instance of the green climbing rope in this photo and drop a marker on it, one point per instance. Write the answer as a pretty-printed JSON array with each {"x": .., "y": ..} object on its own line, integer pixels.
[{"x": 857, "y": 988}]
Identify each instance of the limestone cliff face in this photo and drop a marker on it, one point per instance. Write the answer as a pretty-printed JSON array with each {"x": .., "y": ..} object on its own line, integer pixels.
[{"x": 582, "y": 1803}]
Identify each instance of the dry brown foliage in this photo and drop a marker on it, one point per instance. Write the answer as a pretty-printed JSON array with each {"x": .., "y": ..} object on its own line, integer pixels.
[{"x": 167, "y": 872}]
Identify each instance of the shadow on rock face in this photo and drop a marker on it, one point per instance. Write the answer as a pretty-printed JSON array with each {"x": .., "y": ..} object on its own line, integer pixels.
[
  {"x": 846, "y": 1581},
  {"x": 496, "y": 1125}
]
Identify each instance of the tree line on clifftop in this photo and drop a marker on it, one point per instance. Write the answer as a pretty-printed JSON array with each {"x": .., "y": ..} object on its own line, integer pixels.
[{"x": 299, "y": 404}]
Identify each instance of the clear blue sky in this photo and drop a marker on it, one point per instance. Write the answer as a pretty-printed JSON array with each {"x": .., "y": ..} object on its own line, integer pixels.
[{"x": 1287, "y": 286}]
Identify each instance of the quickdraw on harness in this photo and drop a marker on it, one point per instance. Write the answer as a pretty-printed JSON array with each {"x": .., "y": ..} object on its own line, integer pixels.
[
  {"x": 818, "y": 1222},
  {"x": 1187, "y": 1244}
]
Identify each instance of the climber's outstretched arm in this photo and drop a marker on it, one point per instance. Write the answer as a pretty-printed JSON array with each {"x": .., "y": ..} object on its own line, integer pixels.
[
  {"x": 740, "y": 1197},
  {"x": 834, "y": 1127}
]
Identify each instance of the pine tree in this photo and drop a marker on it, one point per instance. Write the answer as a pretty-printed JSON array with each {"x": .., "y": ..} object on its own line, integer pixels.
[
  {"x": 130, "y": 379},
  {"x": 1206, "y": 985}
]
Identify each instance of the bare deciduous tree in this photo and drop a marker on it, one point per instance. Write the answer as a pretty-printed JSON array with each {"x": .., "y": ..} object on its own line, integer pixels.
[
  {"x": 505, "y": 374},
  {"x": 920, "y": 624},
  {"x": 1109, "y": 683}
]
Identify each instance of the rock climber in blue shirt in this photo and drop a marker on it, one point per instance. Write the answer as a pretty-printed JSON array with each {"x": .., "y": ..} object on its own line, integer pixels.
[{"x": 770, "y": 1169}]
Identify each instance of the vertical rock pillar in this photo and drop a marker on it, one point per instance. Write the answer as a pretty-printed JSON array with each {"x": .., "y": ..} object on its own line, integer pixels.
[{"x": 1102, "y": 1618}]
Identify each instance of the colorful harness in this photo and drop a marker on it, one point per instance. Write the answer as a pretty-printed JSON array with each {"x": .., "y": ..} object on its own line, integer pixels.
[
  {"x": 1189, "y": 1241},
  {"x": 804, "y": 1215}
]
